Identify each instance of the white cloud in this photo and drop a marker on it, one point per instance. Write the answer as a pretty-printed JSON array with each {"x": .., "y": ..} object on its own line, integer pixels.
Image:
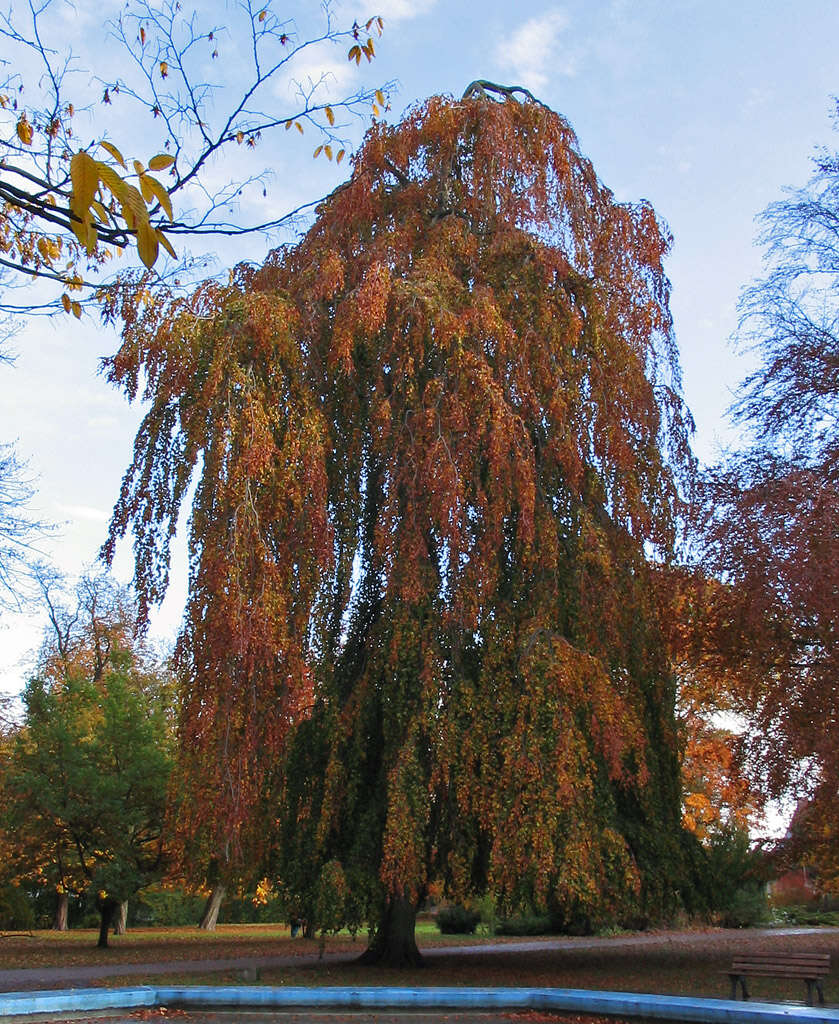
[{"x": 533, "y": 52}]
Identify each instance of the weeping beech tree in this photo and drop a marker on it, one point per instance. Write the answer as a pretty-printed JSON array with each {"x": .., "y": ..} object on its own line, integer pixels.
[{"x": 436, "y": 442}]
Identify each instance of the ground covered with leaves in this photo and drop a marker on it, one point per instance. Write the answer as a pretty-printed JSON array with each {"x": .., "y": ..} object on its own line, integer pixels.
[{"x": 671, "y": 962}]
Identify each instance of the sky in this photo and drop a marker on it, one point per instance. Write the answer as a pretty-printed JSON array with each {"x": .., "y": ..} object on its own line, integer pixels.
[{"x": 706, "y": 109}]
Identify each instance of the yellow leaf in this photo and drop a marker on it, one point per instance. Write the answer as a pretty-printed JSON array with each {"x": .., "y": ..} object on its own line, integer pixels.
[
  {"x": 167, "y": 245},
  {"x": 164, "y": 69},
  {"x": 355, "y": 54},
  {"x": 262, "y": 15},
  {"x": 298, "y": 126},
  {"x": 340, "y": 156},
  {"x": 65, "y": 302},
  {"x": 133, "y": 208},
  {"x": 145, "y": 188},
  {"x": 84, "y": 176},
  {"x": 89, "y": 240},
  {"x": 111, "y": 180},
  {"x": 24, "y": 130},
  {"x": 142, "y": 36},
  {"x": 375, "y": 110},
  {"x": 115, "y": 153},
  {"x": 328, "y": 151},
  {"x": 161, "y": 162},
  {"x": 317, "y": 152},
  {"x": 100, "y": 211},
  {"x": 77, "y": 310},
  {"x": 330, "y": 116},
  {"x": 380, "y": 97},
  {"x": 147, "y": 243},
  {"x": 160, "y": 194},
  {"x": 288, "y": 125},
  {"x": 138, "y": 167},
  {"x": 241, "y": 135}
]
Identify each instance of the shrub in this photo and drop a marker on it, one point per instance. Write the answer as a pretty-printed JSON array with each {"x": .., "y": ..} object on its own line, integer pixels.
[
  {"x": 15, "y": 910},
  {"x": 525, "y": 924},
  {"x": 748, "y": 908},
  {"x": 457, "y": 920}
]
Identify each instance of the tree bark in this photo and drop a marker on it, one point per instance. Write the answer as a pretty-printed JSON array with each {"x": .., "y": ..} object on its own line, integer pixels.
[
  {"x": 59, "y": 922},
  {"x": 394, "y": 944},
  {"x": 209, "y": 918},
  {"x": 121, "y": 918},
  {"x": 108, "y": 907}
]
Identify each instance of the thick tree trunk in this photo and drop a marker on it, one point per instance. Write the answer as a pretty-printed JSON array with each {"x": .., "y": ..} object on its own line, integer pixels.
[
  {"x": 59, "y": 922},
  {"x": 108, "y": 908},
  {"x": 121, "y": 918},
  {"x": 209, "y": 918},
  {"x": 394, "y": 944}
]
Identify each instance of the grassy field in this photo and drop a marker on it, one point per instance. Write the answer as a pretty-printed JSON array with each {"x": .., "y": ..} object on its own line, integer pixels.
[{"x": 682, "y": 963}]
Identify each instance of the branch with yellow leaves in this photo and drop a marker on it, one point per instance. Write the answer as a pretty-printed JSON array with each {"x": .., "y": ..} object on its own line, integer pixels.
[{"x": 66, "y": 209}]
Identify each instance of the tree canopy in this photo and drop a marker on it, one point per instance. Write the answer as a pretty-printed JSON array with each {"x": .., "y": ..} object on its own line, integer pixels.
[
  {"x": 84, "y": 784},
  {"x": 434, "y": 442},
  {"x": 770, "y": 526}
]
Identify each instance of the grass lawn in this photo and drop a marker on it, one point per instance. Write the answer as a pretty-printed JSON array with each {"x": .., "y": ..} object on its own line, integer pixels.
[{"x": 681, "y": 963}]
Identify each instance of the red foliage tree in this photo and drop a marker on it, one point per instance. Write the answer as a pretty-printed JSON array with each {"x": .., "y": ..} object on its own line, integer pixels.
[
  {"x": 434, "y": 441},
  {"x": 770, "y": 529}
]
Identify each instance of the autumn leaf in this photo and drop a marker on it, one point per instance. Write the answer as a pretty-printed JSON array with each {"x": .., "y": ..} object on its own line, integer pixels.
[
  {"x": 115, "y": 153},
  {"x": 24, "y": 130},
  {"x": 161, "y": 162},
  {"x": 164, "y": 69}
]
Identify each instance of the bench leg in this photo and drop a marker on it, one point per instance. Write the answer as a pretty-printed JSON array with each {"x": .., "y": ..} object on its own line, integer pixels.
[
  {"x": 735, "y": 978},
  {"x": 814, "y": 983}
]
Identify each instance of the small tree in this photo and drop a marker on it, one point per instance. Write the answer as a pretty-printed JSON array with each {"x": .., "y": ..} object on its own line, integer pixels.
[{"x": 86, "y": 780}]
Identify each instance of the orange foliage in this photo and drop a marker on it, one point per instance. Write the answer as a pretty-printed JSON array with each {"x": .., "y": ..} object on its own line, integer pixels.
[{"x": 433, "y": 440}]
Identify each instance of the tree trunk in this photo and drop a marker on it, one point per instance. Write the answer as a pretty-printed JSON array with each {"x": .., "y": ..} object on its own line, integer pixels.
[
  {"x": 59, "y": 922},
  {"x": 394, "y": 944},
  {"x": 210, "y": 916},
  {"x": 108, "y": 907},
  {"x": 121, "y": 918}
]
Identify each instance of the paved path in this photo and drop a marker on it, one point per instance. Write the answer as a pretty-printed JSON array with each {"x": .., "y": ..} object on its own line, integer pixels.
[{"x": 26, "y": 978}]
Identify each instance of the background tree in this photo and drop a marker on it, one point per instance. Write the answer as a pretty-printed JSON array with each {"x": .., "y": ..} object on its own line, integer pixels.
[
  {"x": 20, "y": 532},
  {"x": 68, "y": 209},
  {"x": 86, "y": 779},
  {"x": 433, "y": 441},
  {"x": 770, "y": 529},
  {"x": 718, "y": 796}
]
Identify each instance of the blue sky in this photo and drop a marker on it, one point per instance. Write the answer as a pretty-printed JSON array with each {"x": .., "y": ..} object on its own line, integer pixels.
[{"x": 706, "y": 109}]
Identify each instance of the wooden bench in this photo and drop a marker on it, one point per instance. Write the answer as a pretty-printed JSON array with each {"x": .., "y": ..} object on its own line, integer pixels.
[{"x": 810, "y": 967}]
